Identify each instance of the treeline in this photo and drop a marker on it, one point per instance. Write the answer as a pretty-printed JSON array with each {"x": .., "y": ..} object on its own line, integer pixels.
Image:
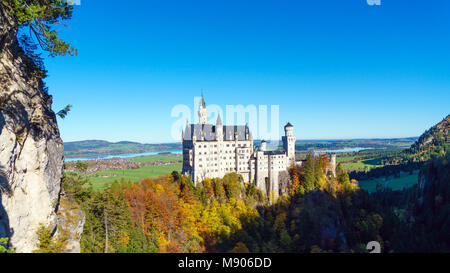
[
  {"x": 320, "y": 213},
  {"x": 386, "y": 171}
]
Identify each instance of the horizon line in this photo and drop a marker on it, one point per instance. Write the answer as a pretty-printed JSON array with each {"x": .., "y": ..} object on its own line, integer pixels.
[{"x": 309, "y": 139}]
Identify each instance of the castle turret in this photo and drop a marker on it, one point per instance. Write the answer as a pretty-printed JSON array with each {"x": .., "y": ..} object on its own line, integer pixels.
[
  {"x": 185, "y": 135},
  {"x": 247, "y": 132},
  {"x": 289, "y": 142},
  {"x": 263, "y": 146},
  {"x": 202, "y": 113},
  {"x": 219, "y": 129},
  {"x": 333, "y": 163}
]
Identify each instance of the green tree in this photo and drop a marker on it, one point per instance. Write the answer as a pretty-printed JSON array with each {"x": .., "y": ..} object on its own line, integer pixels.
[
  {"x": 77, "y": 187},
  {"x": 342, "y": 175},
  {"x": 40, "y": 18},
  {"x": 49, "y": 243},
  {"x": 232, "y": 185},
  {"x": 3, "y": 246},
  {"x": 309, "y": 174},
  {"x": 175, "y": 176},
  {"x": 81, "y": 166}
]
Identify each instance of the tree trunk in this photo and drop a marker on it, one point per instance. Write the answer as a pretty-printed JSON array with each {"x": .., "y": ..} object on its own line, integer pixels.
[{"x": 105, "y": 217}]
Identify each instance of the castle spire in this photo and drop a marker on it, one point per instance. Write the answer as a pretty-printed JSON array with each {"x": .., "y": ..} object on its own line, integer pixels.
[
  {"x": 202, "y": 112},
  {"x": 202, "y": 101},
  {"x": 219, "y": 120}
]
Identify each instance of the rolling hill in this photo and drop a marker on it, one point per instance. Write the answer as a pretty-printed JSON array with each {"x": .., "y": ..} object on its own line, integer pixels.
[
  {"x": 434, "y": 141},
  {"x": 102, "y": 147}
]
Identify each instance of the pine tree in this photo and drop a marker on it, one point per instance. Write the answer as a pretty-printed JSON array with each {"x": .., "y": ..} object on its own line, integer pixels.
[{"x": 309, "y": 174}]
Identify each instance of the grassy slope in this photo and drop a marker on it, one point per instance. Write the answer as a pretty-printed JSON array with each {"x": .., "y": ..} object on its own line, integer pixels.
[
  {"x": 133, "y": 174},
  {"x": 159, "y": 157},
  {"x": 99, "y": 182},
  {"x": 360, "y": 165},
  {"x": 404, "y": 181}
]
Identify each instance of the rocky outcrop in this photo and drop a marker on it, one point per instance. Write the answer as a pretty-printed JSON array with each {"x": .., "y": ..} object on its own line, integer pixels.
[
  {"x": 31, "y": 151},
  {"x": 70, "y": 220}
]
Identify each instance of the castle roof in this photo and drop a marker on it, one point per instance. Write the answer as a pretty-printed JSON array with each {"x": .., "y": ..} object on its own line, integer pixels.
[
  {"x": 208, "y": 131},
  {"x": 219, "y": 120},
  {"x": 202, "y": 101},
  {"x": 288, "y": 125}
]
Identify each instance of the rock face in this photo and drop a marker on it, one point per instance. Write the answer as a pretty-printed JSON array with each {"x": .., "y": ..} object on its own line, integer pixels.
[
  {"x": 70, "y": 220},
  {"x": 31, "y": 151}
]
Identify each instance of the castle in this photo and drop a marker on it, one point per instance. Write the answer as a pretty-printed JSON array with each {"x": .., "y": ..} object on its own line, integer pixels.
[{"x": 211, "y": 151}]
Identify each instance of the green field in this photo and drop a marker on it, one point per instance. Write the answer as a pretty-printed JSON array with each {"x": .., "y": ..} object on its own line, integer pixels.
[
  {"x": 360, "y": 165},
  {"x": 364, "y": 160},
  {"x": 99, "y": 182},
  {"x": 404, "y": 181},
  {"x": 158, "y": 157}
]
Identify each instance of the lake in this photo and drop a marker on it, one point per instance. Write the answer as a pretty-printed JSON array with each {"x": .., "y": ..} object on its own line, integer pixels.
[
  {"x": 94, "y": 157},
  {"x": 345, "y": 150}
]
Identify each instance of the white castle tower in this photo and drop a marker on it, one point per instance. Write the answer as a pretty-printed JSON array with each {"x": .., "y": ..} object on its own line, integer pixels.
[
  {"x": 289, "y": 142},
  {"x": 263, "y": 146},
  {"x": 202, "y": 112},
  {"x": 219, "y": 129}
]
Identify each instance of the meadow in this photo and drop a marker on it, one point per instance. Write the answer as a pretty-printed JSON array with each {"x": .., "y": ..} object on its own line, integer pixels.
[
  {"x": 102, "y": 179},
  {"x": 360, "y": 165},
  {"x": 157, "y": 158},
  {"x": 363, "y": 160},
  {"x": 395, "y": 183}
]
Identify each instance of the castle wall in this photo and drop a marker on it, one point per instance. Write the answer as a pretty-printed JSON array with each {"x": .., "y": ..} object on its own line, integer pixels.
[
  {"x": 261, "y": 171},
  {"x": 216, "y": 158}
]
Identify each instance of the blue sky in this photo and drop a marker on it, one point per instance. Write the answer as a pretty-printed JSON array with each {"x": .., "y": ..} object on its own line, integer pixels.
[{"x": 337, "y": 69}]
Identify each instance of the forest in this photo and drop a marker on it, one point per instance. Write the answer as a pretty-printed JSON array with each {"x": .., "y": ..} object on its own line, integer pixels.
[{"x": 318, "y": 214}]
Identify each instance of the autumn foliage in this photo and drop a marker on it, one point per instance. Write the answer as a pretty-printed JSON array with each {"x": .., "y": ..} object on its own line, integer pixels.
[{"x": 320, "y": 213}]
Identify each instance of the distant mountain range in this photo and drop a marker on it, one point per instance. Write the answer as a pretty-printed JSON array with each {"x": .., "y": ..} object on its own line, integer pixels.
[{"x": 102, "y": 147}]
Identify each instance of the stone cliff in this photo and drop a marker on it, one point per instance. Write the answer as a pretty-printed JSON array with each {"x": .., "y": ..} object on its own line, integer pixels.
[{"x": 31, "y": 151}]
